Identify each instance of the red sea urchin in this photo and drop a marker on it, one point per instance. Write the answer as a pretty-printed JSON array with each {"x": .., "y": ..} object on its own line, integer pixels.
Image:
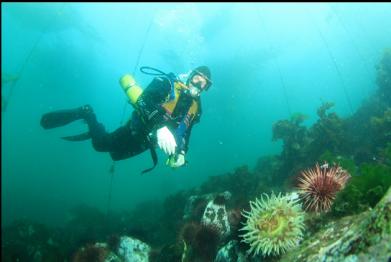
[{"x": 319, "y": 185}]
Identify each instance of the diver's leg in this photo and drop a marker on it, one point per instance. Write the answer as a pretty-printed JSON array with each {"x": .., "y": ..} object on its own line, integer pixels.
[
  {"x": 100, "y": 138},
  {"x": 122, "y": 143},
  {"x": 102, "y": 141},
  {"x": 122, "y": 139},
  {"x": 125, "y": 142}
]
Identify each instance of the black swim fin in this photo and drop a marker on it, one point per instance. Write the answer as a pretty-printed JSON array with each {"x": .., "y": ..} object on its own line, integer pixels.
[
  {"x": 80, "y": 137},
  {"x": 64, "y": 117}
]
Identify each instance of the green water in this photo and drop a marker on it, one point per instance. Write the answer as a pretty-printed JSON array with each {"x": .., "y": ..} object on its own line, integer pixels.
[{"x": 267, "y": 61}]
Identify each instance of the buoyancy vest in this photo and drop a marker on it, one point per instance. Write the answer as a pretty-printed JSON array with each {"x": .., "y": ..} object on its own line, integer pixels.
[{"x": 171, "y": 104}]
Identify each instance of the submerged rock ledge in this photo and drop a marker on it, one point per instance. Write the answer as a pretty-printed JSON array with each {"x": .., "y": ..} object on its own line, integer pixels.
[{"x": 362, "y": 237}]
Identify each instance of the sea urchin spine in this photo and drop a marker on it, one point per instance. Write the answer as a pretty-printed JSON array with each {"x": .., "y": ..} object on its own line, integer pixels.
[{"x": 318, "y": 186}]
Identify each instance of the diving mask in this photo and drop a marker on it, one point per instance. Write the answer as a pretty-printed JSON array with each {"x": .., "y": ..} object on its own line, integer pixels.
[{"x": 197, "y": 85}]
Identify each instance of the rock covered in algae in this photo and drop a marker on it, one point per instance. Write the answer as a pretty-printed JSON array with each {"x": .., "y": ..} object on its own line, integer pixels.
[
  {"x": 133, "y": 250},
  {"x": 216, "y": 215},
  {"x": 99, "y": 252},
  {"x": 230, "y": 253},
  {"x": 362, "y": 237}
]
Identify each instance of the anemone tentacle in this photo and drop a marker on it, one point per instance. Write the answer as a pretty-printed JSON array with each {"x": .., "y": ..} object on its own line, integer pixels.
[{"x": 274, "y": 224}]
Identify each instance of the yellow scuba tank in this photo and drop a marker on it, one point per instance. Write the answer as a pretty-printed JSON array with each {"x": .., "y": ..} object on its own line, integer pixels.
[{"x": 132, "y": 90}]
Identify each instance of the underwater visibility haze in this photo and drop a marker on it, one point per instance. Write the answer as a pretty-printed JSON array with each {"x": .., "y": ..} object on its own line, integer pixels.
[{"x": 288, "y": 159}]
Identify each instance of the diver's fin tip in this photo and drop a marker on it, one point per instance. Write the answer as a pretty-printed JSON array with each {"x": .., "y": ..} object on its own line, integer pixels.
[
  {"x": 63, "y": 117},
  {"x": 80, "y": 137}
]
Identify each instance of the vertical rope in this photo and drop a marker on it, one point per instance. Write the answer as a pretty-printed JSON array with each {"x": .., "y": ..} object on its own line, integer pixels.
[
  {"x": 14, "y": 84},
  {"x": 277, "y": 65},
  {"x": 137, "y": 64},
  {"x": 111, "y": 171},
  {"x": 352, "y": 40},
  {"x": 112, "y": 168},
  {"x": 330, "y": 53}
]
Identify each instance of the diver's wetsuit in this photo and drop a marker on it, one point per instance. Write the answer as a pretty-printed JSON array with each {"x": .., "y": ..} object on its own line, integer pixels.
[{"x": 132, "y": 138}]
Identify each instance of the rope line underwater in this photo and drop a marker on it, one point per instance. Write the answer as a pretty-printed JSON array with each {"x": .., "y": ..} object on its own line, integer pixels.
[
  {"x": 14, "y": 84},
  {"x": 352, "y": 40},
  {"x": 277, "y": 65},
  {"x": 331, "y": 55},
  {"x": 112, "y": 167}
]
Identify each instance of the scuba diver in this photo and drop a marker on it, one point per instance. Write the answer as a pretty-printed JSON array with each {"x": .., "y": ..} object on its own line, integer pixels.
[{"x": 164, "y": 115}]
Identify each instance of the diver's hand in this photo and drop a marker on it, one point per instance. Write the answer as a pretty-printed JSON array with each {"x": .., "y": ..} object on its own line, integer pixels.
[
  {"x": 166, "y": 140},
  {"x": 176, "y": 161}
]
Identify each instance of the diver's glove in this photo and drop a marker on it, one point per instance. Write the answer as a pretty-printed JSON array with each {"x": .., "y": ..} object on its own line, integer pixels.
[
  {"x": 166, "y": 140},
  {"x": 176, "y": 160}
]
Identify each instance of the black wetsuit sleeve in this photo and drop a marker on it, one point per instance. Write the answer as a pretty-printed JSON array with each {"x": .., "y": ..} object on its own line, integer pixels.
[{"x": 150, "y": 102}]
